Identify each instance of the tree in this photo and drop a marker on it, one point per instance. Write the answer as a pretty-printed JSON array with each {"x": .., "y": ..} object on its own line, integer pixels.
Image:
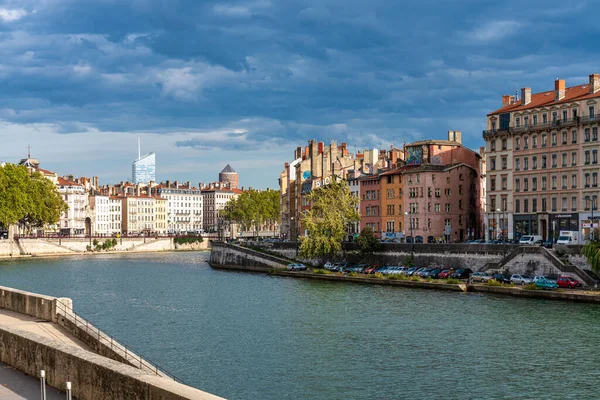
[
  {"x": 332, "y": 208},
  {"x": 252, "y": 209},
  {"x": 367, "y": 242},
  {"x": 28, "y": 199},
  {"x": 591, "y": 251}
]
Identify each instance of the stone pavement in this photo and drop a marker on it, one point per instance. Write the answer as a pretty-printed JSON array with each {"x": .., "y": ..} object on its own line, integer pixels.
[{"x": 15, "y": 384}]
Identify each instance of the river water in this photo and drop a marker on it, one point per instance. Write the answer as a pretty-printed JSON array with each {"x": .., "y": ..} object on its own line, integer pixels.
[{"x": 254, "y": 336}]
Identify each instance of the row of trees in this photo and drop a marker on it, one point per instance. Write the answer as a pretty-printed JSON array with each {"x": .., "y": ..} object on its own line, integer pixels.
[
  {"x": 29, "y": 200},
  {"x": 252, "y": 209}
]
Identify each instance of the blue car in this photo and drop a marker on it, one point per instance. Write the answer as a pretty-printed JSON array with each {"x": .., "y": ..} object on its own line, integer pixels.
[{"x": 546, "y": 283}]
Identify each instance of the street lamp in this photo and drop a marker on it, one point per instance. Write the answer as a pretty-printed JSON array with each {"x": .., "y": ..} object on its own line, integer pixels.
[{"x": 412, "y": 236}]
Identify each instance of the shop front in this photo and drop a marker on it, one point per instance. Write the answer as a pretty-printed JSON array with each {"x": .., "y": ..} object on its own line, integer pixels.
[
  {"x": 563, "y": 222},
  {"x": 525, "y": 224},
  {"x": 589, "y": 225}
]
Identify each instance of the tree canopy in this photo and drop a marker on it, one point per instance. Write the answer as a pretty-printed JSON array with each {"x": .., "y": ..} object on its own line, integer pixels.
[
  {"x": 591, "y": 251},
  {"x": 367, "y": 242},
  {"x": 28, "y": 199},
  {"x": 253, "y": 208},
  {"x": 333, "y": 207}
]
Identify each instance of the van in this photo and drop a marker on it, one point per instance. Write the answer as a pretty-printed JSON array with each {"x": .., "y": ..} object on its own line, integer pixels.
[
  {"x": 568, "y": 237},
  {"x": 530, "y": 239}
]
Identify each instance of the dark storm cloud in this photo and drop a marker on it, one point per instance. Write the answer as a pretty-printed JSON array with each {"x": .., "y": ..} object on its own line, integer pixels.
[{"x": 369, "y": 71}]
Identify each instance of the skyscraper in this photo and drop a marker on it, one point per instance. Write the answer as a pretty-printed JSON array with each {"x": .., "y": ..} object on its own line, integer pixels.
[{"x": 144, "y": 168}]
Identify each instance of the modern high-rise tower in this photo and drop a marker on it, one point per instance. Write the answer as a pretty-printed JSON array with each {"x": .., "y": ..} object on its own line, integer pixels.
[{"x": 144, "y": 168}]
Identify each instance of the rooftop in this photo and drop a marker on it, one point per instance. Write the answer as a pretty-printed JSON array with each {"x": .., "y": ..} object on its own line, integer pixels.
[{"x": 228, "y": 170}]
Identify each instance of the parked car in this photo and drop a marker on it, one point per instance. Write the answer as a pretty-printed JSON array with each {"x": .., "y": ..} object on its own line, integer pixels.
[
  {"x": 411, "y": 270},
  {"x": 568, "y": 282},
  {"x": 539, "y": 277},
  {"x": 462, "y": 273},
  {"x": 423, "y": 272},
  {"x": 519, "y": 279},
  {"x": 445, "y": 273},
  {"x": 328, "y": 266},
  {"x": 501, "y": 278},
  {"x": 369, "y": 269},
  {"x": 545, "y": 283},
  {"x": 296, "y": 267},
  {"x": 433, "y": 273},
  {"x": 481, "y": 277},
  {"x": 530, "y": 239},
  {"x": 547, "y": 243}
]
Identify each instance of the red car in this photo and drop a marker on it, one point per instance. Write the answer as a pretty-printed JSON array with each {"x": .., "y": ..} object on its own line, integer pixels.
[
  {"x": 445, "y": 274},
  {"x": 567, "y": 282}
]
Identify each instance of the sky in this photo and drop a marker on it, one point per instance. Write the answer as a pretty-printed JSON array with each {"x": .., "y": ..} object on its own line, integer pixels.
[{"x": 208, "y": 83}]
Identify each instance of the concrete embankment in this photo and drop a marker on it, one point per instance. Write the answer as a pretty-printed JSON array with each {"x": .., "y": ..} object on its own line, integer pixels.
[
  {"x": 236, "y": 258},
  {"x": 42, "y": 332}
]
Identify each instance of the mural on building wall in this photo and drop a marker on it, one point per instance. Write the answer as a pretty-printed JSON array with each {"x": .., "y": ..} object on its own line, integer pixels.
[
  {"x": 306, "y": 175},
  {"x": 414, "y": 155}
]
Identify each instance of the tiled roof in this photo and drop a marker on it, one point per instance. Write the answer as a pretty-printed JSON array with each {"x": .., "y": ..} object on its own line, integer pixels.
[
  {"x": 44, "y": 171},
  {"x": 546, "y": 99},
  {"x": 65, "y": 182},
  {"x": 433, "y": 141},
  {"x": 400, "y": 170}
]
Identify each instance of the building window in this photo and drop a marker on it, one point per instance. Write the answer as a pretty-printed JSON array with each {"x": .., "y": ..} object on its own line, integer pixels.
[
  {"x": 525, "y": 205},
  {"x": 554, "y": 182},
  {"x": 534, "y": 162},
  {"x": 493, "y": 145},
  {"x": 553, "y": 138},
  {"x": 544, "y": 118},
  {"x": 504, "y": 144},
  {"x": 438, "y": 207},
  {"x": 517, "y": 143},
  {"x": 564, "y": 137},
  {"x": 594, "y": 179},
  {"x": 565, "y": 115},
  {"x": 573, "y": 203},
  {"x": 534, "y": 205},
  {"x": 543, "y": 140},
  {"x": 564, "y": 159},
  {"x": 554, "y": 116},
  {"x": 564, "y": 181},
  {"x": 437, "y": 192},
  {"x": 525, "y": 184},
  {"x": 595, "y": 133},
  {"x": 526, "y": 121},
  {"x": 493, "y": 165},
  {"x": 544, "y": 183},
  {"x": 525, "y": 163},
  {"x": 447, "y": 207},
  {"x": 460, "y": 204},
  {"x": 525, "y": 142},
  {"x": 594, "y": 156},
  {"x": 564, "y": 203},
  {"x": 592, "y": 112},
  {"x": 586, "y": 134},
  {"x": 554, "y": 160},
  {"x": 554, "y": 203},
  {"x": 574, "y": 136},
  {"x": 518, "y": 121},
  {"x": 517, "y": 205},
  {"x": 517, "y": 164},
  {"x": 517, "y": 185},
  {"x": 587, "y": 179},
  {"x": 504, "y": 163},
  {"x": 574, "y": 181},
  {"x": 535, "y": 117},
  {"x": 390, "y": 209},
  {"x": 574, "y": 158},
  {"x": 534, "y": 184},
  {"x": 504, "y": 182},
  {"x": 544, "y": 204},
  {"x": 544, "y": 161},
  {"x": 586, "y": 157},
  {"x": 534, "y": 141},
  {"x": 493, "y": 184},
  {"x": 389, "y": 226}
]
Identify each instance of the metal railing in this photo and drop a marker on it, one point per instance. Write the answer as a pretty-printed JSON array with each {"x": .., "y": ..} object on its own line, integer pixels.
[{"x": 110, "y": 342}]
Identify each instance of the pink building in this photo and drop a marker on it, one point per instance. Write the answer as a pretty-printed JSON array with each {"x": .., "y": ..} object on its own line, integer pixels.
[{"x": 443, "y": 194}]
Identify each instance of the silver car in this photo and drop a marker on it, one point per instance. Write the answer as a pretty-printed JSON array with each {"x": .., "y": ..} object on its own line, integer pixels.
[
  {"x": 519, "y": 279},
  {"x": 480, "y": 277}
]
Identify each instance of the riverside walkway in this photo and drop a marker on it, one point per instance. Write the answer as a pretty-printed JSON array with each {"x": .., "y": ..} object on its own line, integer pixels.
[{"x": 14, "y": 384}]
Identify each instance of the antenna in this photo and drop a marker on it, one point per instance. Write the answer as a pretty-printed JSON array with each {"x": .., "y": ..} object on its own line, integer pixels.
[
  {"x": 28, "y": 151},
  {"x": 139, "y": 149}
]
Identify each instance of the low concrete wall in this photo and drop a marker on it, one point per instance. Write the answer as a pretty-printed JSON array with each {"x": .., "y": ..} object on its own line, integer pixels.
[
  {"x": 40, "y": 246},
  {"x": 206, "y": 244},
  {"x": 92, "y": 376},
  {"x": 32, "y": 304},
  {"x": 537, "y": 294},
  {"x": 5, "y": 248},
  {"x": 227, "y": 254}
]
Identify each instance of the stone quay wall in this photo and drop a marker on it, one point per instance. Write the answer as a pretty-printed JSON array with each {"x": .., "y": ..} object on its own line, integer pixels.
[
  {"x": 92, "y": 376},
  {"x": 224, "y": 254}
]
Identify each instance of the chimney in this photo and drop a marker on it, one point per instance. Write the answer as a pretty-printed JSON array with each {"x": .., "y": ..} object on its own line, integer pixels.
[
  {"x": 320, "y": 150},
  {"x": 455, "y": 136},
  {"x": 168, "y": 183},
  {"x": 559, "y": 89},
  {"x": 505, "y": 100},
  {"x": 525, "y": 96},
  {"x": 512, "y": 99},
  {"x": 594, "y": 83},
  {"x": 176, "y": 184},
  {"x": 188, "y": 184}
]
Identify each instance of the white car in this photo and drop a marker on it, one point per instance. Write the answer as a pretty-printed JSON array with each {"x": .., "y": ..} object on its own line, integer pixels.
[{"x": 519, "y": 279}]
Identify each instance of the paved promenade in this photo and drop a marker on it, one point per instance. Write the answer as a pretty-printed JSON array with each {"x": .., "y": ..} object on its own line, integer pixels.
[{"x": 17, "y": 385}]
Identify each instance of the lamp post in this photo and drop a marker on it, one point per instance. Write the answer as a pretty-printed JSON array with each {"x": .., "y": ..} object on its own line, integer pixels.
[{"x": 412, "y": 236}]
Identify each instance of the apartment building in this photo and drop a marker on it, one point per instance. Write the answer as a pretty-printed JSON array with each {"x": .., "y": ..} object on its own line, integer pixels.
[
  {"x": 542, "y": 153},
  {"x": 216, "y": 197},
  {"x": 184, "y": 206},
  {"x": 72, "y": 221},
  {"x": 138, "y": 214},
  {"x": 353, "y": 182},
  {"x": 392, "y": 203},
  {"x": 370, "y": 202}
]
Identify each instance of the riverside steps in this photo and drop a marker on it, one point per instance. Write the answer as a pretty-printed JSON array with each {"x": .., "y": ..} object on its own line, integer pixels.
[
  {"x": 232, "y": 257},
  {"x": 40, "y": 332}
]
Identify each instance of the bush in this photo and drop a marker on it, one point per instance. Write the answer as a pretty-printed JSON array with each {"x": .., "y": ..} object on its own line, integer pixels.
[
  {"x": 188, "y": 240},
  {"x": 352, "y": 273},
  {"x": 493, "y": 282},
  {"x": 452, "y": 281},
  {"x": 429, "y": 279},
  {"x": 321, "y": 271},
  {"x": 531, "y": 286},
  {"x": 88, "y": 248},
  {"x": 378, "y": 275},
  {"x": 95, "y": 242},
  {"x": 415, "y": 278}
]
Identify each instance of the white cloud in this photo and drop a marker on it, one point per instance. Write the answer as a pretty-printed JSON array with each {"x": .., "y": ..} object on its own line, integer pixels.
[
  {"x": 10, "y": 15},
  {"x": 180, "y": 83},
  {"x": 82, "y": 69},
  {"x": 494, "y": 30},
  {"x": 233, "y": 11}
]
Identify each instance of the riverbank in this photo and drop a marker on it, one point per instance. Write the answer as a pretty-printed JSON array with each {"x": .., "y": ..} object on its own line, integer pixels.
[
  {"x": 515, "y": 291},
  {"x": 58, "y": 247}
]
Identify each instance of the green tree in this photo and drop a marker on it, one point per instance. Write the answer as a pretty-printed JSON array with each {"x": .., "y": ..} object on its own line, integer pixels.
[
  {"x": 252, "y": 209},
  {"x": 332, "y": 208},
  {"x": 28, "y": 199},
  {"x": 591, "y": 251},
  {"x": 367, "y": 242}
]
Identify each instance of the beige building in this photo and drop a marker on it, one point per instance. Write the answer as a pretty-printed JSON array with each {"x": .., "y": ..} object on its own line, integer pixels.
[
  {"x": 542, "y": 159},
  {"x": 139, "y": 214}
]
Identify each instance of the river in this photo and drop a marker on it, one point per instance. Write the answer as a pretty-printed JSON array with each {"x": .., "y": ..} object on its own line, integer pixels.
[{"x": 255, "y": 336}]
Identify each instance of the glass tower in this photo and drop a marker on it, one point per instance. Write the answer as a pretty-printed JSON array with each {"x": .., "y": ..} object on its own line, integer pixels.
[{"x": 144, "y": 169}]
